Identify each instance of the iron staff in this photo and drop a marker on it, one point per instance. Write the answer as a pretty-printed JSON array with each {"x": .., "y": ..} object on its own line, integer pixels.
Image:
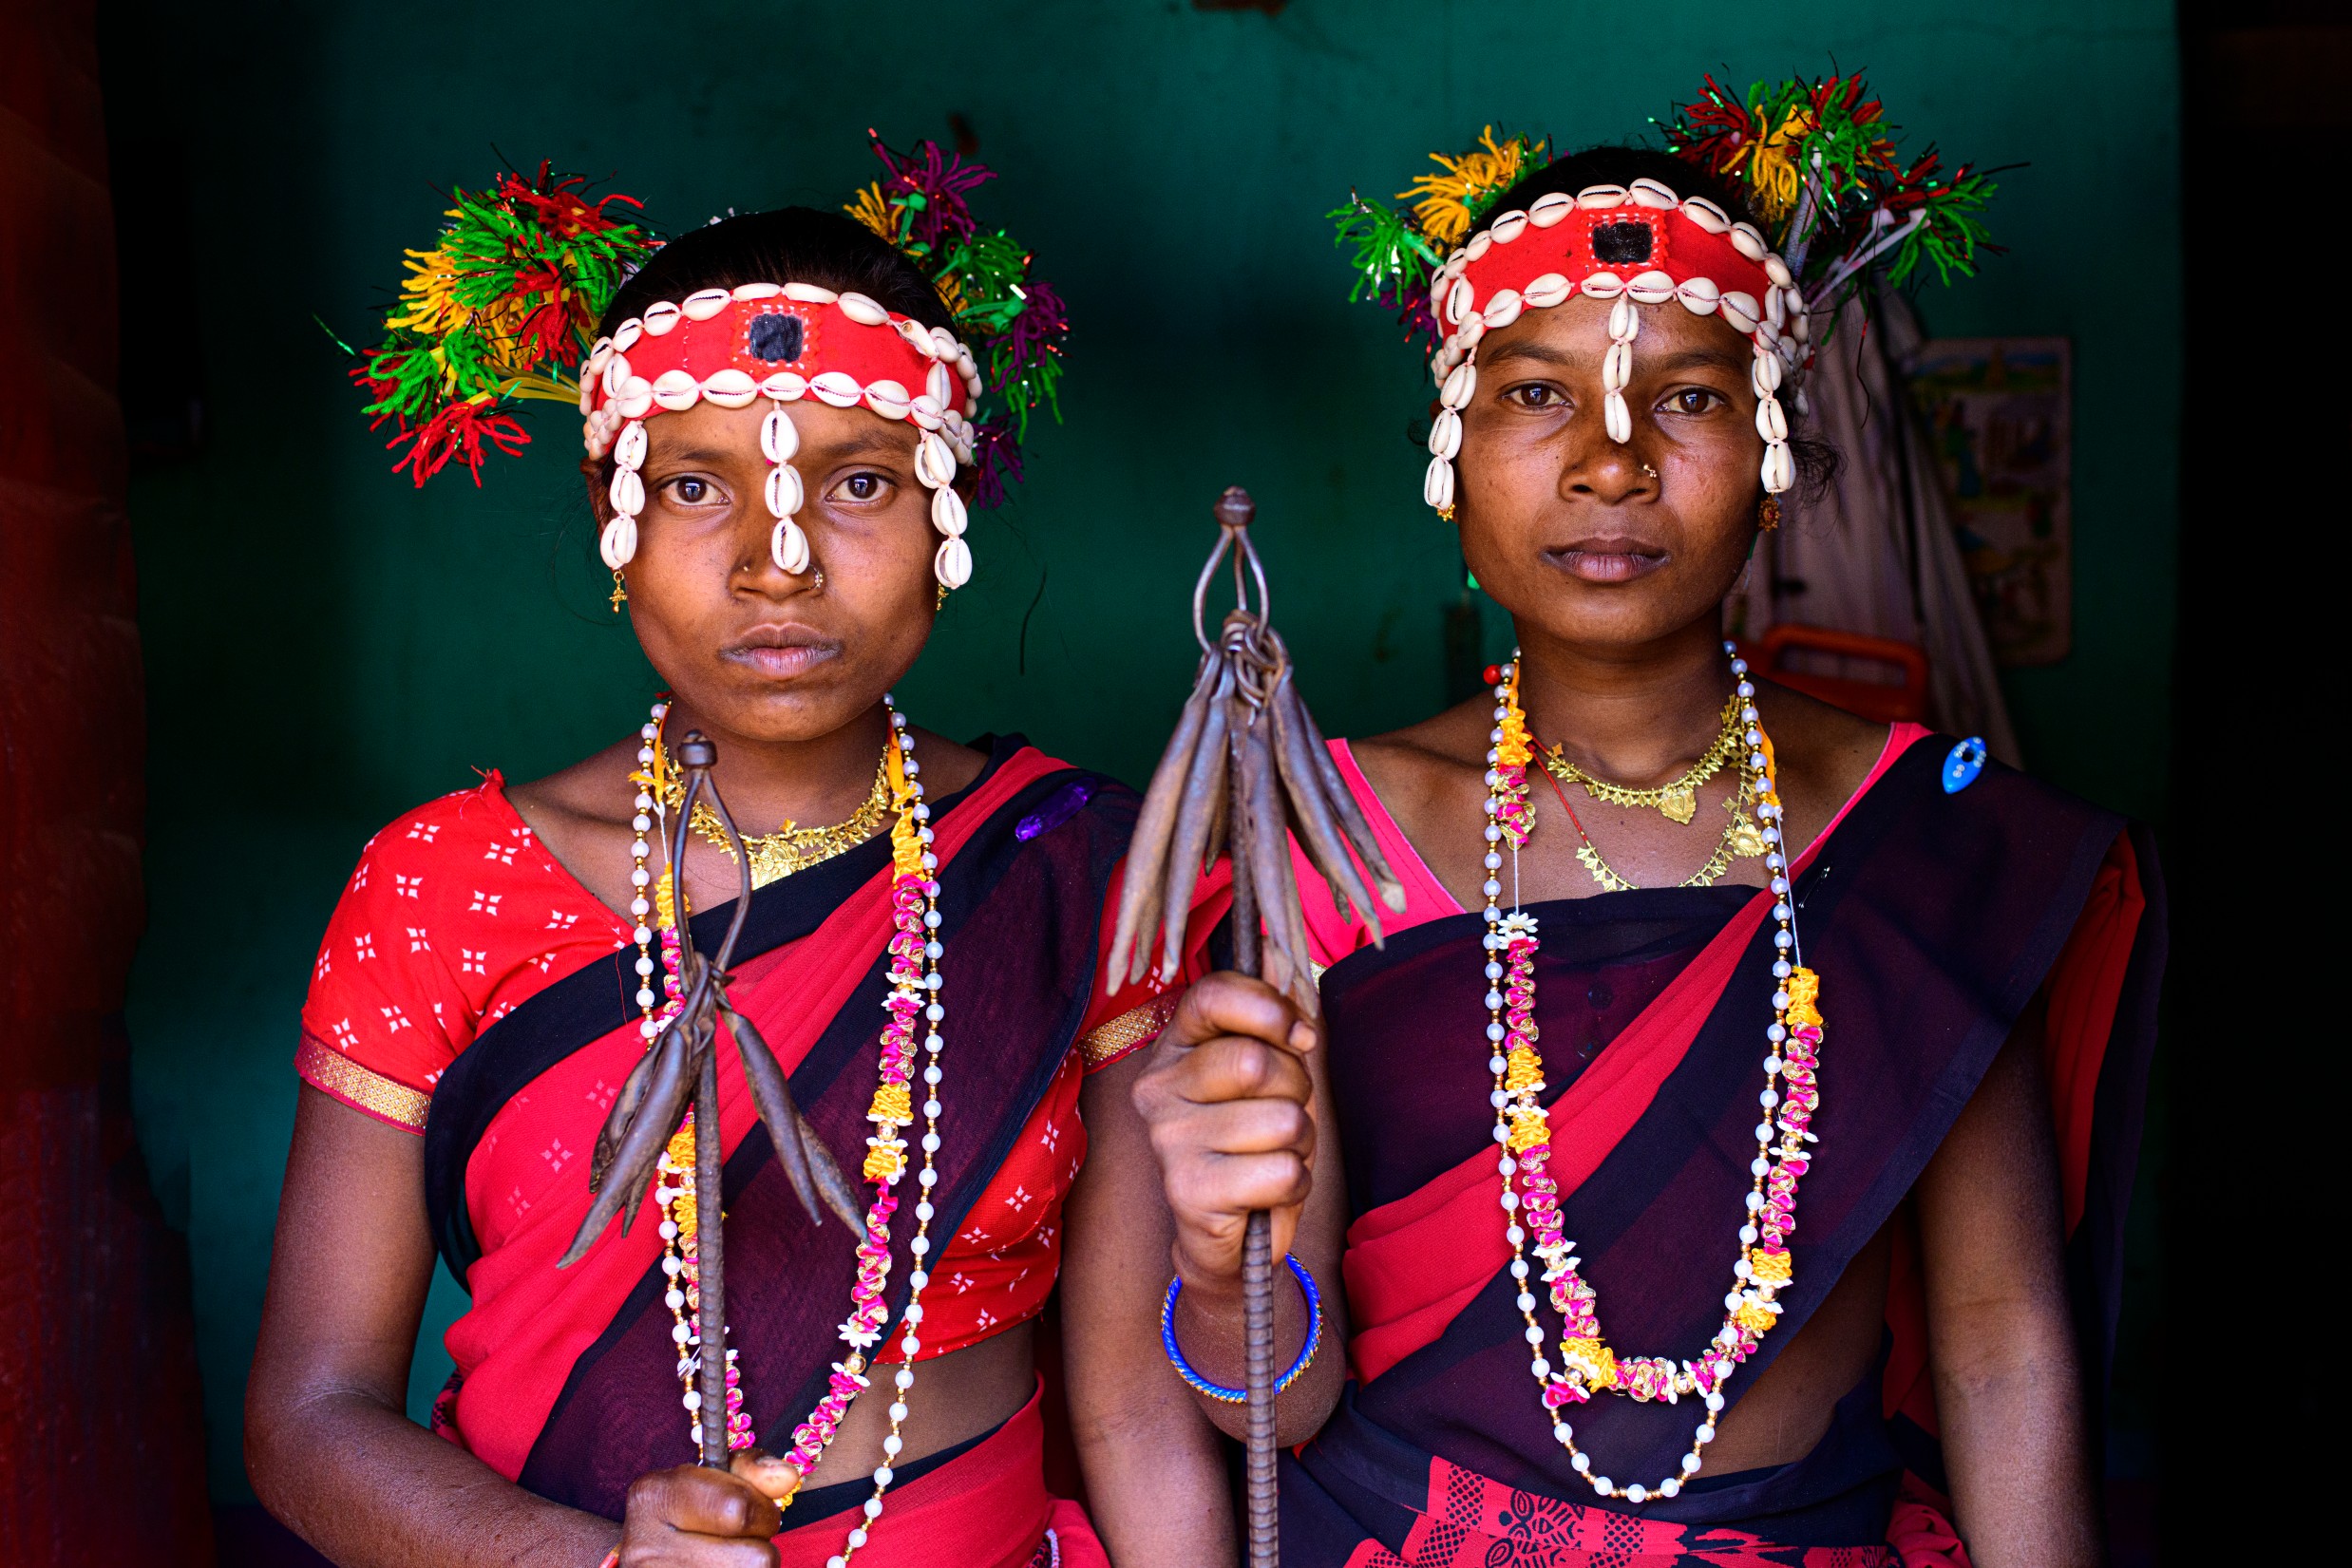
[
  {"x": 1245, "y": 769},
  {"x": 647, "y": 1112}
]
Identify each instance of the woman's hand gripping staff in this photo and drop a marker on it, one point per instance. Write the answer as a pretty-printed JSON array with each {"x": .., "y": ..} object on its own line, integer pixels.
[{"x": 1231, "y": 1100}]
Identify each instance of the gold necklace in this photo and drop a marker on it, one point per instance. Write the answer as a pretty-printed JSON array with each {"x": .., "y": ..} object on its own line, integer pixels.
[
  {"x": 1676, "y": 802},
  {"x": 788, "y": 849},
  {"x": 1741, "y": 839}
]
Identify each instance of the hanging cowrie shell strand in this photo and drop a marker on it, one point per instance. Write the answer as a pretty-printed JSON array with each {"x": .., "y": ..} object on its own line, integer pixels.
[
  {"x": 618, "y": 546},
  {"x": 1617, "y": 370}
]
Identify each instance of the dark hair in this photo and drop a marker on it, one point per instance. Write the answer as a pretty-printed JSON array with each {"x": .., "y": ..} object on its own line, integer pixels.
[
  {"x": 1817, "y": 461},
  {"x": 789, "y": 245}
]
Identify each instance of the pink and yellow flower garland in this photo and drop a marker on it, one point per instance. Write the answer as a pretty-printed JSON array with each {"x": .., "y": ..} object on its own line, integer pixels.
[
  {"x": 1531, "y": 1198},
  {"x": 915, "y": 951}
]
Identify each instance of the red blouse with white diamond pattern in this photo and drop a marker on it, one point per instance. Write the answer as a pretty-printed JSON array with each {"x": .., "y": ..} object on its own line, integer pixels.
[{"x": 457, "y": 914}]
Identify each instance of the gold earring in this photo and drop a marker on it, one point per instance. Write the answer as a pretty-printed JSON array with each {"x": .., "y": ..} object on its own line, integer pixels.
[
  {"x": 941, "y": 604},
  {"x": 620, "y": 591},
  {"x": 1446, "y": 512},
  {"x": 1768, "y": 515}
]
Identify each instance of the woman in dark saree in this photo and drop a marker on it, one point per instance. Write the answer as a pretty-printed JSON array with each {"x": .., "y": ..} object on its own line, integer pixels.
[
  {"x": 784, "y": 518},
  {"x": 1910, "y": 1359}
]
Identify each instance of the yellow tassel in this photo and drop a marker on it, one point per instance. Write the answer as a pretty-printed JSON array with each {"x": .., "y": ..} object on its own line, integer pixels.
[
  {"x": 1442, "y": 201},
  {"x": 1804, "y": 997},
  {"x": 1524, "y": 1070},
  {"x": 893, "y": 1106},
  {"x": 906, "y": 833},
  {"x": 884, "y": 1158},
  {"x": 1593, "y": 1358}
]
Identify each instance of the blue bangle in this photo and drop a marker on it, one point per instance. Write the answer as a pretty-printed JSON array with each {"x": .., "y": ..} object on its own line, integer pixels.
[{"x": 1199, "y": 1384}]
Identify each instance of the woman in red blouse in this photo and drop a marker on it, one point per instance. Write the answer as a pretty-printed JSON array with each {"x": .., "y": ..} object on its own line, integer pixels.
[{"x": 773, "y": 501}]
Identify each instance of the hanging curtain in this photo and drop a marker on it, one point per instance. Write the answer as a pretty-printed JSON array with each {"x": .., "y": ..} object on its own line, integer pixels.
[{"x": 1876, "y": 555}]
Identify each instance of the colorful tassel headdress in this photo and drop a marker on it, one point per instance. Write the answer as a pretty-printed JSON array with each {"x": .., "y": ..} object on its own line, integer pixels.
[
  {"x": 455, "y": 355},
  {"x": 1818, "y": 167}
]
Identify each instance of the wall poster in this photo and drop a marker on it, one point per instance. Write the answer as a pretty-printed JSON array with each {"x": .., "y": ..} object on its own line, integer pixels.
[{"x": 1998, "y": 413}]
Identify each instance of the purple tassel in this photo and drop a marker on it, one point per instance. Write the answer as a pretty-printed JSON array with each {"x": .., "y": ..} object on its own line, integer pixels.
[
  {"x": 940, "y": 179},
  {"x": 996, "y": 460}
]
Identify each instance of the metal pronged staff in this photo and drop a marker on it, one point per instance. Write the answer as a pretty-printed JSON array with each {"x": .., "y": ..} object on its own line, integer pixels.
[
  {"x": 1246, "y": 764},
  {"x": 684, "y": 1060}
]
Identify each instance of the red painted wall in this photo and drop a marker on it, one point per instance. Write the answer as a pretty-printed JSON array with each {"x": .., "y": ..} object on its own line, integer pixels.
[{"x": 101, "y": 1442}]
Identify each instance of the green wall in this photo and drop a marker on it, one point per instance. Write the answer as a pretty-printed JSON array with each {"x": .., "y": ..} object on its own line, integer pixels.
[{"x": 326, "y": 646}]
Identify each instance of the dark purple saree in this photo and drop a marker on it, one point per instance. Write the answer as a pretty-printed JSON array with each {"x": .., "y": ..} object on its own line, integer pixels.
[{"x": 1933, "y": 920}]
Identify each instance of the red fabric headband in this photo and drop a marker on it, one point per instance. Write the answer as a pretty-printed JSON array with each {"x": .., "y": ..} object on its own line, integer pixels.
[
  {"x": 779, "y": 341},
  {"x": 1653, "y": 253}
]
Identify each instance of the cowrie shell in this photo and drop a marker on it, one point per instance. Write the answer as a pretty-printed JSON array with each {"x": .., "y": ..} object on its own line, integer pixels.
[
  {"x": 705, "y": 303},
  {"x": 677, "y": 390},
  {"x": 625, "y": 335},
  {"x": 1445, "y": 434},
  {"x": 1779, "y": 467},
  {"x": 1603, "y": 285},
  {"x": 785, "y": 387},
  {"x": 1704, "y": 213},
  {"x": 587, "y": 393},
  {"x": 1770, "y": 423},
  {"x": 1651, "y": 288},
  {"x": 917, "y": 336},
  {"x": 1461, "y": 382},
  {"x": 619, "y": 542},
  {"x": 1765, "y": 376},
  {"x": 947, "y": 512},
  {"x": 1550, "y": 208},
  {"x": 634, "y": 398},
  {"x": 1616, "y": 417},
  {"x": 626, "y": 492},
  {"x": 1549, "y": 290},
  {"x": 616, "y": 372},
  {"x": 861, "y": 309},
  {"x": 758, "y": 291},
  {"x": 1503, "y": 308},
  {"x": 731, "y": 388},
  {"x": 1624, "y": 321},
  {"x": 1617, "y": 367},
  {"x": 1459, "y": 301},
  {"x": 1471, "y": 332},
  {"x": 1656, "y": 194},
  {"x": 943, "y": 343},
  {"x": 660, "y": 318},
  {"x": 1778, "y": 271},
  {"x": 1600, "y": 197},
  {"x": 1748, "y": 242},
  {"x": 1508, "y": 227},
  {"x": 887, "y": 398},
  {"x": 837, "y": 388},
  {"x": 630, "y": 453},
  {"x": 784, "y": 491},
  {"x": 1480, "y": 243},
  {"x": 599, "y": 356},
  {"x": 1437, "y": 484},
  {"x": 953, "y": 564},
  {"x": 779, "y": 437},
  {"x": 1698, "y": 294},
  {"x": 925, "y": 410},
  {"x": 934, "y": 464},
  {"x": 941, "y": 385},
  {"x": 1741, "y": 310},
  {"x": 789, "y": 547},
  {"x": 809, "y": 293}
]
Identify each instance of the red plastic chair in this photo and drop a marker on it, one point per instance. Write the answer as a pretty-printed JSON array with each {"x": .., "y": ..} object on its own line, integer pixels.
[{"x": 1881, "y": 703}]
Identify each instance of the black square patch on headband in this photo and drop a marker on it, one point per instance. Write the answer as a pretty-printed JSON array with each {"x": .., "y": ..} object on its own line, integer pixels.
[
  {"x": 776, "y": 338},
  {"x": 1617, "y": 242}
]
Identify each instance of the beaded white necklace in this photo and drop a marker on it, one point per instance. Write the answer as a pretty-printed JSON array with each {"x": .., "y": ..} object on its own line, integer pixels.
[
  {"x": 1521, "y": 1129},
  {"x": 915, "y": 950}
]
